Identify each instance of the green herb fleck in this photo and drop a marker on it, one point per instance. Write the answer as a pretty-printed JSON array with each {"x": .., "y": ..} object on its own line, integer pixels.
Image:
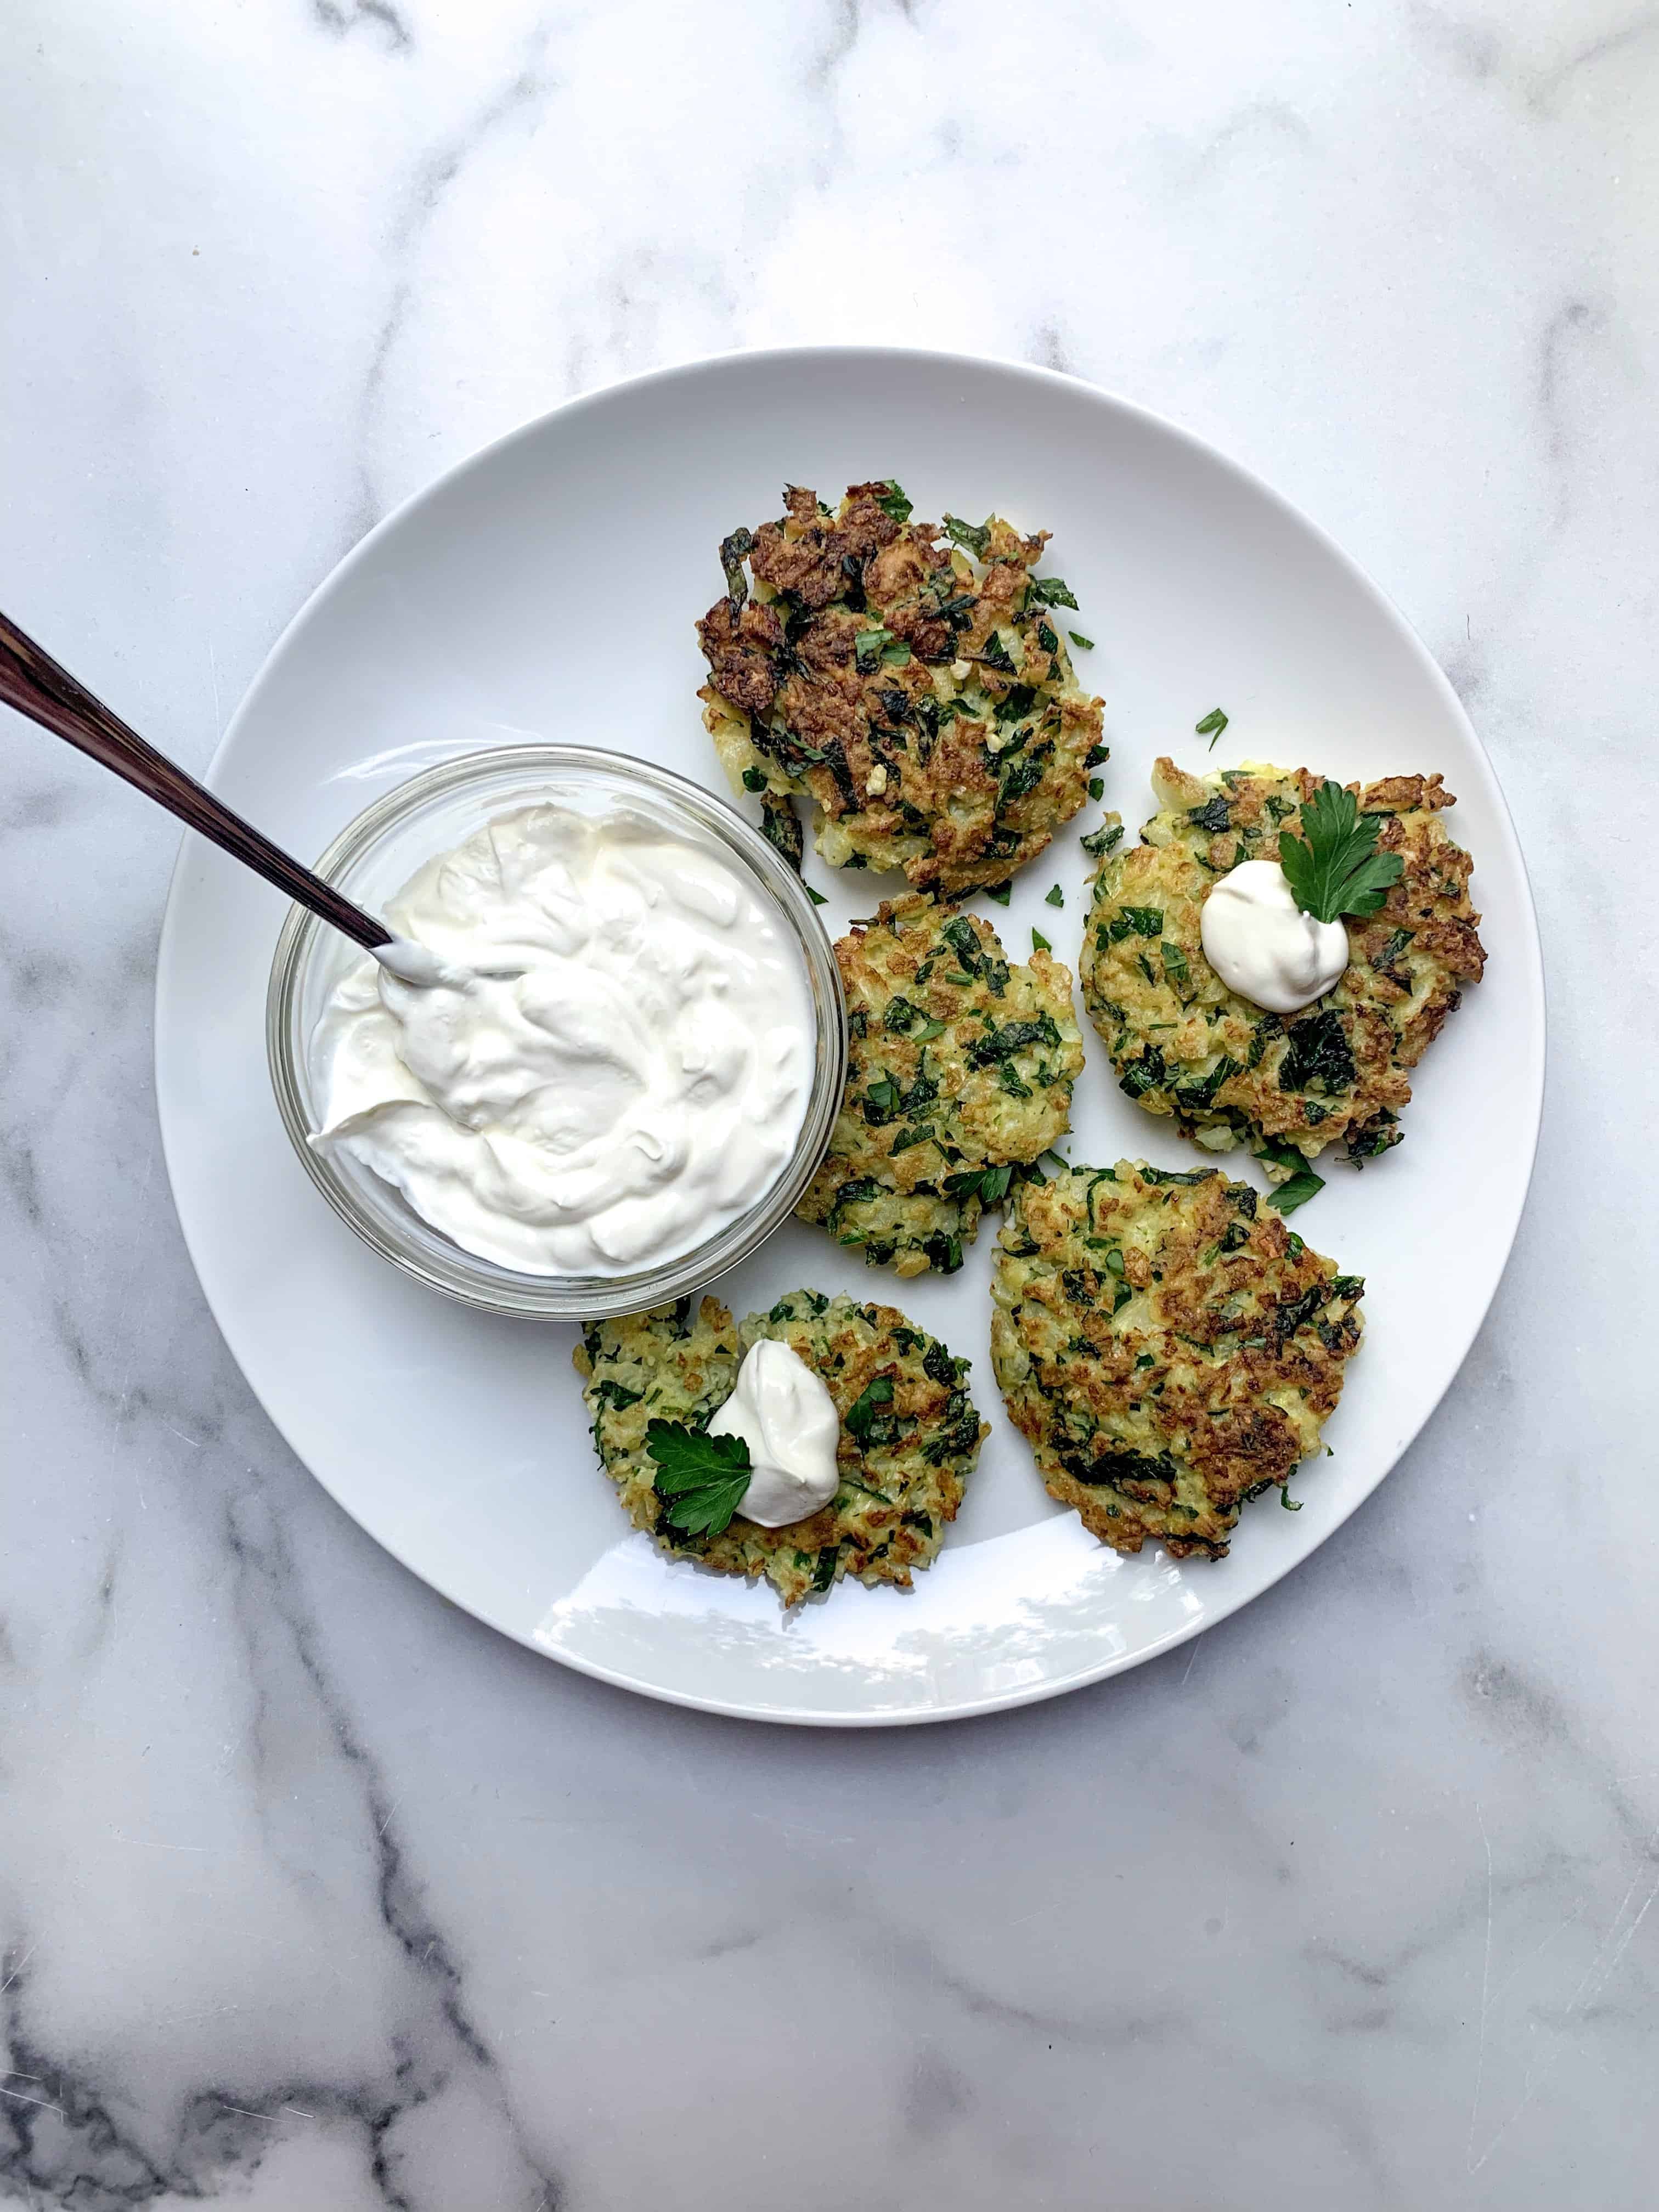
[
  {"x": 881, "y": 1102},
  {"x": 1147, "y": 1072},
  {"x": 816, "y": 898},
  {"x": 907, "y": 1137},
  {"x": 990, "y": 1184},
  {"x": 861, "y": 1413},
  {"x": 1082, "y": 644},
  {"x": 1013, "y": 1037},
  {"x": 1317, "y": 1055},
  {"x": 1000, "y": 892},
  {"x": 781, "y": 827},
  {"x": 1054, "y": 897},
  {"x": 891, "y": 500},
  {"x": 1212, "y": 727},
  {"x": 877, "y": 648},
  {"x": 1198, "y": 1095},
  {"x": 1303, "y": 1185},
  {"x": 734, "y": 551},
  {"x": 973, "y": 537},
  {"x": 1023, "y": 774},
  {"x": 1040, "y": 942},
  {"x": 1051, "y": 592}
]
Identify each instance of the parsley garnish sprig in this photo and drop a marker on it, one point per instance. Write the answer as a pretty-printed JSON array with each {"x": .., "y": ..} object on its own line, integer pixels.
[
  {"x": 1333, "y": 867},
  {"x": 703, "y": 1478}
]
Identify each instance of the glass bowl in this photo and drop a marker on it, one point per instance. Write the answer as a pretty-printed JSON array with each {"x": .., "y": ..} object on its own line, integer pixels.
[{"x": 371, "y": 861}]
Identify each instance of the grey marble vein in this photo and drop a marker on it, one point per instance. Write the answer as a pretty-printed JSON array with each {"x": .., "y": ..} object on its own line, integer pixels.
[{"x": 392, "y": 25}]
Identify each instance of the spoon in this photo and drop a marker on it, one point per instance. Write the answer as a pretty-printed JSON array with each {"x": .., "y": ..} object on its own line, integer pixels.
[{"x": 31, "y": 681}]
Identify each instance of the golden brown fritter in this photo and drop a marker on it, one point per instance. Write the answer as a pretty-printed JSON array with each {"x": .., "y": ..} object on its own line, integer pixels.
[
  {"x": 960, "y": 1069},
  {"x": 907, "y": 1444},
  {"x": 1183, "y": 1044},
  {"x": 924, "y": 698},
  {"x": 1169, "y": 1349}
]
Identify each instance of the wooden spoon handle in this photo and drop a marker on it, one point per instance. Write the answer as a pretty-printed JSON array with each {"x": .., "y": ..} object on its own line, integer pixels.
[{"x": 33, "y": 682}]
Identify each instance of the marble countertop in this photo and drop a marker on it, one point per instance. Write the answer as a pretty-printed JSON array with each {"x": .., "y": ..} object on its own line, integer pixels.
[{"x": 314, "y": 1894}]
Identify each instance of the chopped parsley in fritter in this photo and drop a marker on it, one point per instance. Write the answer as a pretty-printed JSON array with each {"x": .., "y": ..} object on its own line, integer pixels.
[
  {"x": 921, "y": 692},
  {"x": 1168, "y": 1346},
  {"x": 910, "y": 1434},
  {"x": 1287, "y": 1086},
  {"x": 960, "y": 1068}
]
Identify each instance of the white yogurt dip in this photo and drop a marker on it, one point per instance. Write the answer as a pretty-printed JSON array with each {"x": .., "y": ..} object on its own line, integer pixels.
[
  {"x": 787, "y": 1418},
  {"x": 612, "y": 1062},
  {"x": 1262, "y": 944}
]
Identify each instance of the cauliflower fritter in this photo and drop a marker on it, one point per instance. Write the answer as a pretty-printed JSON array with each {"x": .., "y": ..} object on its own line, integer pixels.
[
  {"x": 960, "y": 1069},
  {"x": 908, "y": 1445},
  {"x": 1169, "y": 1349},
  {"x": 1183, "y": 1044},
  {"x": 926, "y": 703}
]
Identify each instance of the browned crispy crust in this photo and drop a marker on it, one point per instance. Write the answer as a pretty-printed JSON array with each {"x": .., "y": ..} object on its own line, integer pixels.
[
  {"x": 808, "y": 556},
  {"x": 1169, "y": 1346},
  {"x": 1168, "y": 1021},
  {"x": 903, "y": 1474},
  {"x": 957, "y": 754}
]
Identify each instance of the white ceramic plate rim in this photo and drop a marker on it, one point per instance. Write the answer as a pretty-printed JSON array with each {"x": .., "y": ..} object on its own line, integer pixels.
[{"x": 1526, "y": 954}]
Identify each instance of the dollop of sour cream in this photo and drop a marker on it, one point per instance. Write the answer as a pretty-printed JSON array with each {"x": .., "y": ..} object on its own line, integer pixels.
[
  {"x": 1263, "y": 946},
  {"x": 588, "y": 1049},
  {"x": 788, "y": 1420}
]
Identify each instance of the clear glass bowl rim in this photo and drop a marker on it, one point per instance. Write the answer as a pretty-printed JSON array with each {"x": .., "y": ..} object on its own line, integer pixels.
[{"x": 481, "y": 1283}]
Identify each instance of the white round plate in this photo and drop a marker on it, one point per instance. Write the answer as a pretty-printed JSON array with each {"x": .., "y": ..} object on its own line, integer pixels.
[{"x": 548, "y": 589}]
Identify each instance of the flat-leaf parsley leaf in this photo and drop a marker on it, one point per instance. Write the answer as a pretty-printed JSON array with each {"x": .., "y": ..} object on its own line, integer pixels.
[
  {"x": 704, "y": 1478},
  {"x": 1334, "y": 868}
]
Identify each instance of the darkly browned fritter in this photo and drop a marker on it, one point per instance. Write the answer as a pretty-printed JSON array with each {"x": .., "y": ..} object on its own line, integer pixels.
[{"x": 921, "y": 692}]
